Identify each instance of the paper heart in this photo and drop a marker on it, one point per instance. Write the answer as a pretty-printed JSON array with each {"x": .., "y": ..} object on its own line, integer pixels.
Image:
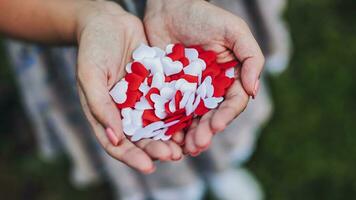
[
  {"x": 118, "y": 92},
  {"x": 194, "y": 68},
  {"x": 164, "y": 90},
  {"x": 171, "y": 67},
  {"x": 143, "y": 51}
]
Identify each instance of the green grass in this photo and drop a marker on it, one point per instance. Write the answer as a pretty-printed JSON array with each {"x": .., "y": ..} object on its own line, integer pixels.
[{"x": 307, "y": 151}]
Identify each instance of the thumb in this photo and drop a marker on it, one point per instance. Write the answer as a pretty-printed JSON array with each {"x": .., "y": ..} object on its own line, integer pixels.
[
  {"x": 248, "y": 52},
  {"x": 100, "y": 104}
]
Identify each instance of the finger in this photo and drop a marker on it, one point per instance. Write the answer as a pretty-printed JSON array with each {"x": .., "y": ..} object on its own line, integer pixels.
[
  {"x": 189, "y": 146},
  {"x": 247, "y": 50},
  {"x": 235, "y": 102},
  {"x": 125, "y": 152},
  {"x": 176, "y": 150},
  {"x": 100, "y": 104},
  {"x": 155, "y": 149},
  {"x": 225, "y": 56},
  {"x": 178, "y": 138},
  {"x": 204, "y": 132}
]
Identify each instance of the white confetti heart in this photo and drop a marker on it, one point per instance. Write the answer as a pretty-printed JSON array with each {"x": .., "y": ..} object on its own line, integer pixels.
[
  {"x": 189, "y": 106},
  {"x": 179, "y": 83},
  {"x": 136, "y": 117},
  {"x": 209, "y": 86},
  {"x": 167, "y": 92},
  {"x": 158, "y": 80},
  {"x": 230, "y": 73},
  {"x": 202, "y": 63},
  {"x": 128, "y": 68},
  {"x": 210, "y": 103},
  {"x": 144, "y": 88},
  {"x": 166, "y": 137},
  {"x": 156, "y": 133},
  {"x": 143, "y": 51},
  {"x": 170, "y": 67},
  {"x": 196, "y": 103},
  {"x": 153, "y": 64},
  {"x": 184, "y": 100},
  {"x": 159, "y": 52},
  {"x": 126, "y": 112},
  {"x": 201, "y": 91},
  {"x": 191, "y": 53},
  {"x": 169, "y": 48},
  {"x": 147, "y": 130},
  {"x": 188, "y": 87},
  {"x": 130, "y": 129},
  {"x": 172, "y": 106},
  {"x": 160, "y": 113},
  {"x": 171, "y": 123},
  {"x": 194, "y": 68},
  {"x": 118, "y": 92},
  {"x": 142, "y": 104}
]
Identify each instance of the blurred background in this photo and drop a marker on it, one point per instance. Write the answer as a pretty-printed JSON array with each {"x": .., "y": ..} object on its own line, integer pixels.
[{"x": 306, "y": 151}]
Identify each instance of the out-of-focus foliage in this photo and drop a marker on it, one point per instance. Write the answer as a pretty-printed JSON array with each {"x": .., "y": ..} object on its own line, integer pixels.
[{"x": 308, "y": 149}]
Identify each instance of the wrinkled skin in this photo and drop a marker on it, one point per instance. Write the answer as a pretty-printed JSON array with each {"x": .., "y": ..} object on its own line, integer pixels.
[{"x": 196, "y": 22}]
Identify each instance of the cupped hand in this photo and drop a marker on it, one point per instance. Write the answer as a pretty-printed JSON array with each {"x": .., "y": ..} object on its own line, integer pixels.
[
  {"x": 107, "y": 35},
  {"x": 196, "y": 22}
]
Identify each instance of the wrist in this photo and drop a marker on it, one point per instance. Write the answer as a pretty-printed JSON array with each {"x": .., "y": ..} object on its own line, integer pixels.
[{"x": 93, "y": 11}]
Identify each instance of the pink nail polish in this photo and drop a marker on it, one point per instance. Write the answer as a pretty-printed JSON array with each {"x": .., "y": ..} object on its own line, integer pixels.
[
  {"x": 111, "y": 136},
  {"x": 256, "y": 89}
]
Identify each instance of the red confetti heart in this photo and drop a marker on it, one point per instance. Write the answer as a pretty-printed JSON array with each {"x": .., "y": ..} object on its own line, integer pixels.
[
  {"x": 184, "y": 61},
  {"x": 131, "y": 99},
  {"x": 228, "y": 65},
  {"x": 208, "y": 56},
  {"x": 150, "y": 116},
  {"x": 201, "y": 109},
  {"x": 175, "y": 128},
  {"x": 139, "y": 69},
  {"x": 177, "y": 98},
  {"x": 134, "y": 81},
  {"x": 148, "y": 95},
  {"x": 190, "y": 78}
]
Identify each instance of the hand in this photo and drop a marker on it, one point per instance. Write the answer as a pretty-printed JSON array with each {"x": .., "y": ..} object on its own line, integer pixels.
[
  {"x": 107, "y": 35},
  {"x": 196, "y": 22}
]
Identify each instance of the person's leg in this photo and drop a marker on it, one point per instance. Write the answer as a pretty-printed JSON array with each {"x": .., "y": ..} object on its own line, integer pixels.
[
  {"x": 276, "y": 30},
  {"x": 223, "y": 162},
  {"x": 234, "y": 146},
  {"x": 126, "y": 183},
  {"x": 29, "y": 75},
  {"x": 175, "y": 181}
]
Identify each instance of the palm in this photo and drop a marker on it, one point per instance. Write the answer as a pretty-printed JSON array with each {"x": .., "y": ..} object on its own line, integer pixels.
[
  {"x": 200, "y": 23},
  {"x": 191, "y": 24},
  {"x": 105, "y": 47}
]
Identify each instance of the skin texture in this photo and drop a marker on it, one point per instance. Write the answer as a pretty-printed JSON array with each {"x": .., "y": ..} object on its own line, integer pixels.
[
  {"x": 196, "y": 22},
  {"x": 106, "y": 36},
  {"x": 106, "y": 39}
]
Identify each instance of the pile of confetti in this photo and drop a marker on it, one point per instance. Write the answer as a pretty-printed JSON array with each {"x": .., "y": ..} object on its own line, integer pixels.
[{"x": 164, "y": 90}]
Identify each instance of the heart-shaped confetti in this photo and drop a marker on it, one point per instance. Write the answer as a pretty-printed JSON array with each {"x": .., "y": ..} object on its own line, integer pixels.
[{"x": 163, "y": 91}]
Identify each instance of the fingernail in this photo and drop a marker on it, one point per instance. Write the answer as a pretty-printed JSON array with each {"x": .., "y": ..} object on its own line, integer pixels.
[
  {"x": 257, "y": 88},
  {"x": 111, "y": 136}
]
